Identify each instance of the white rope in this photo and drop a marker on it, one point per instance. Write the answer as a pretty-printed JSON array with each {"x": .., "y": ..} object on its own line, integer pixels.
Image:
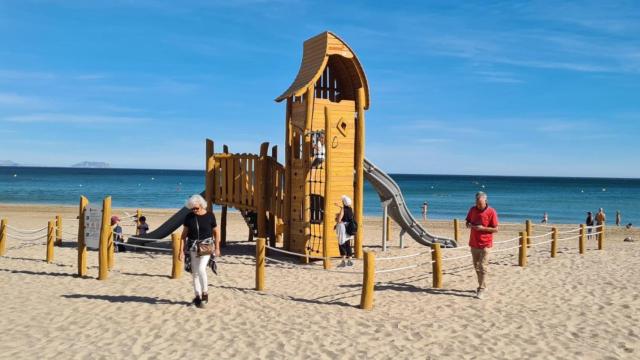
[
  {"x": 570, "y": 238},
  {"x": 455, "y": 258},
  {"x": 501, "y": 250},
  {"x": 143, "y": 247},
  {"x": 596, "y": 233},
  {"x": 404, "y": 256},
  {"x": 456, "y": 248},
  {"x": 70, "y": 219},
  {"x": 148, "y": 240},
  {"x": 18, "y": 237},
  {"x": 541, "y": 243},
  {"x": 540, "y": 236},
  {"x": 568, "y": 231},
  {"x": 396, "y": 269},
  {"x": 294, "y": 253},
  {"x": 29, "y": 231},
  {"x": 506, "y": 241},
  {"x": 294, "y": 266}
]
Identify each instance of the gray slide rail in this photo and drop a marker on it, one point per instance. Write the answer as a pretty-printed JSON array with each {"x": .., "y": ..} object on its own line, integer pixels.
[{"x": 389, "y": 191}]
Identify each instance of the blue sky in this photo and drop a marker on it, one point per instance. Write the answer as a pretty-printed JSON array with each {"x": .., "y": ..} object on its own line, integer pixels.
[{"x": 486, "y": 87}]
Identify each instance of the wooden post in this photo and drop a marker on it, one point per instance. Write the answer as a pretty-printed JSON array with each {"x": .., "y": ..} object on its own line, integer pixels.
[
  {"x": 223, "y": 210},
  {"x": 82, "y": 246},
  {"x": 529, "y": 232},
  {"x": 522, "y": 252},
  {"x": 554, "y": 241},
  {"x": 456, "y": 230},
  {"x": 138, "y": 215},
  {"x": 111, "y": 246},
  {"x": 58, "y": 230},
  {"x": 50, "y": 240},
  {"x": 273, "y": 216},
  {"x": 328, "y": 194},
  {"x": 105, "y": 234},
  {"x": 582, "y": 238},
  {"x": 3, "y": 237},
  {"x": 261, "y": 190},
  {"x": 260, "y": 262},
  {"x": 368, "y": 278},
  {"x": 176, "y": 270},
  {"x": 359, "y": 164},
  {"x": 601, "y": 237},
  {"x": 209, "y": 163},
  {"x": 436, "y": 257},
  {"x": 287, "y": 182}
]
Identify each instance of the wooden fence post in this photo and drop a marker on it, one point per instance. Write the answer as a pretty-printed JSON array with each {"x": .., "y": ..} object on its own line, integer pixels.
[
  {"x": 82, "y": 246},
  {"x": 50, "y": 240},
  {"x": 111, "y": 254},
  {"x": 436, "y": 258},
  {"x": 260, "y": 262},
  {"x": 105, "y": 234},
  {"x": 138, "y": 215},
  {"x": 601, "y": 237},
  {"x": 3, "y": 237},
  {"x": 582, "y": 238},
  {"x": 522, "y": 252},
  {"x": 456, "y": 230},
  {"x": 58, "y": 230},
  {"x": 359, "y": 171},
  {"x": 529, "y": 231},
  {"x": 228, "y": 186},
  {"x": 368, "y": 278},
  {"x": 327, "y": 226},
  {"x": 554, "y": 241},
  {"x": 176, "y": 270}
]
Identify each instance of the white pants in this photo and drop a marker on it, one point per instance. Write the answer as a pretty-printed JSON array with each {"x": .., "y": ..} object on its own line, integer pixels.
[{"x": 199, "y": 273}]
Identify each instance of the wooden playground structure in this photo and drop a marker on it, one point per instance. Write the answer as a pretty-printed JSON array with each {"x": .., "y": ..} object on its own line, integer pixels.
[{"x": 324, "y": 151}]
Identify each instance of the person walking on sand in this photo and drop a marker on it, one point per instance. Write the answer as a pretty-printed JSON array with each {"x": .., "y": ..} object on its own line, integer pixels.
[
  {"x": 425, "y": 208},
  {"x": 589, "y": 223},
  {"x": 343, "y": 221},
  {"x": 199, "y": 227},
  {"x": 545, "y": 218},
  {"x": 618, "y": 218},
  {"x": 483, "y": 222}
]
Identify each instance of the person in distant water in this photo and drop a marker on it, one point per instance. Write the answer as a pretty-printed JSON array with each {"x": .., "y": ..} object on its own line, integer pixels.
[
  {"x": 601, "y": 218},
  {"x": 318, "y": 151},
  {"x": 344, "y": 217},
  {"x": 117, "y": 233},
  {"x": 143, "y": 228},
  {"x": 425, "y": 208},
  {"x": 483, "y": 222},
  {"x": 589, "y": 223},
  {"x": 545, "y": 218},
  {"x": 199, "y": 226},
  {"x": 618, "y": 218}
]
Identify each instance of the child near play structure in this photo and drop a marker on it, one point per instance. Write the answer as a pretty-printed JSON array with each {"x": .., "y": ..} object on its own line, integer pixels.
[
  {"x": 343, "y": 221},
  {"x": 199, "y": 227}
]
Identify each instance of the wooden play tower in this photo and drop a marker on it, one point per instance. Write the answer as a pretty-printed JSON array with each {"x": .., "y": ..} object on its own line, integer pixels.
[
  {"x": 324, "y": 143},
  {"x": 323, "y": 159}
]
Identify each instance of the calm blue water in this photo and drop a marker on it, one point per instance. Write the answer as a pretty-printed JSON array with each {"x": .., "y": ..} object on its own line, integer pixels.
[{"x": 515, "y": 198}]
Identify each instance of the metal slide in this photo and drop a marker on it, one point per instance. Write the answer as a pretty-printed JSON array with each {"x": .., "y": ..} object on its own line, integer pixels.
[{"x": 390, "y": 192}]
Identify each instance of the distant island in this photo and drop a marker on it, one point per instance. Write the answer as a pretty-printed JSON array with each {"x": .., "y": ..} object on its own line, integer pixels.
[
  {"x": 92, "y": 165},
  {"x": 8, "y": 163}
]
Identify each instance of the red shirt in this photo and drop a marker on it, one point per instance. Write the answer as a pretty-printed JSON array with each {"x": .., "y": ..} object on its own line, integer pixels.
[{"x": 487, "y": 217}]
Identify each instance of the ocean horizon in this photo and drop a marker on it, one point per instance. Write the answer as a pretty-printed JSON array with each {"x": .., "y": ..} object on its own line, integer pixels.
[{"x": 516, "y": 198}]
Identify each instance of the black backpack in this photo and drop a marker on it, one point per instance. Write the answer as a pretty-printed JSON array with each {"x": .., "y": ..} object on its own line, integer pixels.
[{"x": 351, "y": 227}]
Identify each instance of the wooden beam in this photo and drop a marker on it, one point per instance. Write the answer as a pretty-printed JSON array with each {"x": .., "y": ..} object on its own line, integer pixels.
[
  {"x": 359, "y": 173},
  {"x": 328, "y": 196},
  {"x": 209, "y": 175},
  {"x": 82, "y": 246}
]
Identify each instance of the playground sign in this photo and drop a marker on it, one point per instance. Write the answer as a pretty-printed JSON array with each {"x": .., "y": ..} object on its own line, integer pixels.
[{"x": 92, "y": 226}]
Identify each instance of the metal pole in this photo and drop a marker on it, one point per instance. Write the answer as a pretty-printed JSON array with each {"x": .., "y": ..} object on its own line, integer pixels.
[
  {"x": 402, "y": 232},
  {"x": 385, "y": 214}
]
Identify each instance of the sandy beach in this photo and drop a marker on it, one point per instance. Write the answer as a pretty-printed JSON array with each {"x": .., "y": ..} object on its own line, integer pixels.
[{"x": 572, "y": 306}]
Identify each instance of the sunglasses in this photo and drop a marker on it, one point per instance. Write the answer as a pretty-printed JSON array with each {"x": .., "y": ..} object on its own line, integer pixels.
[{"x": 195, "y": 209}]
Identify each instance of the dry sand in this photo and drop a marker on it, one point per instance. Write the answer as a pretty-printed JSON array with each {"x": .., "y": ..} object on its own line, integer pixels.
[{"x": 570, "y": 307}]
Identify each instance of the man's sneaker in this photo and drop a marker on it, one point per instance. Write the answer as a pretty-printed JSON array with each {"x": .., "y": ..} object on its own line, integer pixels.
[
  {"x": 480, "y": 293},
  {"x": 342, "y": 264},
  {"x": 205, "y": 298},
  {"x": 349, "y": 262}
]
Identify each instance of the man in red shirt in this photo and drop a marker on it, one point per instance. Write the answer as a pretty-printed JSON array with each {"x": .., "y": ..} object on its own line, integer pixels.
[{"x": 483, "y": 222}]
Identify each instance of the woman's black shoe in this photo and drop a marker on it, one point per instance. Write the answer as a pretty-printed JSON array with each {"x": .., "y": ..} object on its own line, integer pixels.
[{"x": 197, "y": 302}]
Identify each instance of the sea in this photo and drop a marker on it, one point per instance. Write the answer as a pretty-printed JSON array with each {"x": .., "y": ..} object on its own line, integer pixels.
[{"x": 516, "y": 198}]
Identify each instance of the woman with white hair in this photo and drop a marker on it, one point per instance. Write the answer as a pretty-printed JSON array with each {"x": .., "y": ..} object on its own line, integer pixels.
[
  {"x": 343, "y": 221},
  {"x": 199, "y": 227}
]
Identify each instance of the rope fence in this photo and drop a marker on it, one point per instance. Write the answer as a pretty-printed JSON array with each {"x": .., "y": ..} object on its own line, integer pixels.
[{"x": 26, "y": 231}]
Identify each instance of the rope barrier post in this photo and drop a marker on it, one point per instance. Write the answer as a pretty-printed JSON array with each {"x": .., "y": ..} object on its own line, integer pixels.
[
  {"x": 3, "y": 237},
  {"x": 58, "y": 230},
  {"x": 582, "y": 238},
  {"x": 436, "y": 257},
  {"x": 368, "y": 277},
  {"x": 50, "y": 240},
  {"x": 105, "y": 233},
  {"x": 176, "y": 270},
  {"x": 138, "y": 216},
  {"x": 529, "y": 231},
  {"x": 401, "y": 238},
  {"x": 260, "y": 262},
  {"x": 522, "y": 251},
  {"x": 82, "y": 246},
  {"x": 456, "y": 230},
  {"x": 554, "y": 241},
  {"x": 111, "y": 254},
  {"x": 601, "y": 237}
]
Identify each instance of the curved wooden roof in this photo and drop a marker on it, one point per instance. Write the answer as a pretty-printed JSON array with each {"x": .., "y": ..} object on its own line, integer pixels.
[{"x": 314, "y": 59}]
